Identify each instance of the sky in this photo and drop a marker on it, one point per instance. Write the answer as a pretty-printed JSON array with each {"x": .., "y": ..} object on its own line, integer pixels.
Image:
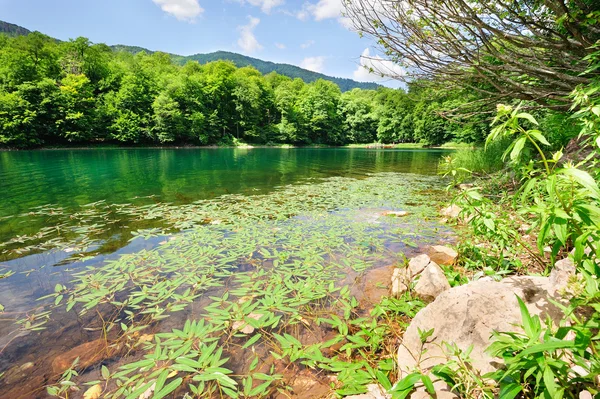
[{"x": 309, "y": 33}]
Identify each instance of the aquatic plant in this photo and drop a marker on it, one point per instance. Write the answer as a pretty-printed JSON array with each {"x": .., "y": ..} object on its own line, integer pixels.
[{"x": 257, "y": 288}]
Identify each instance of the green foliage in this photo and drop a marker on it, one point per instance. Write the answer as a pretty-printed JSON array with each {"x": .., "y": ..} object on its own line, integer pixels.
[
  {"x": 58, "y": 93},
  {"x": 269, "y": 270},
  {"x": 558, "y": 200}
]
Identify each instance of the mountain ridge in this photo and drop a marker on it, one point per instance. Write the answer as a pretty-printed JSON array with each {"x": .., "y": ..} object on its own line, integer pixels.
[{"x": 239, "y": 60}]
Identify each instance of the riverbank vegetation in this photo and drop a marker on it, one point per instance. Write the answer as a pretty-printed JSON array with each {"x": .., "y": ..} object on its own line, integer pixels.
[{"x": 79, "y": 93}]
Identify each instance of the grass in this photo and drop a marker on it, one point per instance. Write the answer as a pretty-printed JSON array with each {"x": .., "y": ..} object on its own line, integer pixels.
[{"x": 478, "y": 160}]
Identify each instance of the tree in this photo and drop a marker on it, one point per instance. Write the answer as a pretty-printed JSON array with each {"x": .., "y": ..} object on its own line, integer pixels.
[
  {"x": 77, "y": 109},
  {"x": 357, "y": 111},
  {"x": 317, "y": 106},
  {"x": 530, "y": 50}
]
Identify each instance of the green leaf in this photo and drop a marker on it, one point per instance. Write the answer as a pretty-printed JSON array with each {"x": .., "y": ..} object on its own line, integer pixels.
[
  {"x": 173, "y": 385},
  {"x": 536, "y": 134},
  {"x": 428, "y": 384},
  {"x": 584, "y": 179},
  {"x": 518, "y": 147},
  {"x": 510, "y": 391},
  {"x": 529, "y": 117}
]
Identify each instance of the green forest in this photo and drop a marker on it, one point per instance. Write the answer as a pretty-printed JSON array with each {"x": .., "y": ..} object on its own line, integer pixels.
[{"x": 77, "y": 93}]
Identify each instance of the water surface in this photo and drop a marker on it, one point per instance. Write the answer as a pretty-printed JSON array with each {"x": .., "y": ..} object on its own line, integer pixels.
[{"x": 67, "y": 210}]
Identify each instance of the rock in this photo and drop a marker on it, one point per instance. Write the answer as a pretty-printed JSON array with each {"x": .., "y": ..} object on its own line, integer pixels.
[
  {"x": 563, "y": 270},
  {"x": 374, "y": 285},
  {"x": 442, "y": 391},
  {"x": 442, "y": 255},
  {"x": 395, "y": 213},
  {"x": 451, "y": 212},
  {"x": 524, "y": 228},
  {"x": 467, "y": 315},
  {"x": 400, "y": 281},
  {"x": 93, "y": 393},
  {"x": 243, "y": 326},
  {"x": 88, "y": 354},
  {"x": 431, "y": 283},
  {"x": 17, "y": 373},
  {"x": 26, "y": 366},
  {"x": 417, "y": 264},
  {"x": 374, "y": 391}
]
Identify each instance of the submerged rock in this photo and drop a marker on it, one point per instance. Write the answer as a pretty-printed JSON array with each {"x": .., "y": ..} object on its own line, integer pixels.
[
  {"x": 467, "y": 316},
  {"x": 396, "y": 213},
  {"x": 431, "y": 283},
  {"x": 245, "y": 327},
  {"x": 88, "y": 354}
]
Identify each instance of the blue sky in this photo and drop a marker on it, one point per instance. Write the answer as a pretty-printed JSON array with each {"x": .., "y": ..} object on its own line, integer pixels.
[{"x": 308, "y": 33}]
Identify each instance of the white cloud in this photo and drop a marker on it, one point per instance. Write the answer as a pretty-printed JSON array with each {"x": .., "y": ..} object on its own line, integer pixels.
[
  {"x": 372, "y": 67},
  {"x": 183, "y": 10},
  {"x": 326, "y": 9},
  {"x": 247, "y": 40},
  {"x": 315, "y": 64},
  {"x": 280, "y": 46},
  {"x": 265, "y": 5},
  {"x": 307, "y": 44}
]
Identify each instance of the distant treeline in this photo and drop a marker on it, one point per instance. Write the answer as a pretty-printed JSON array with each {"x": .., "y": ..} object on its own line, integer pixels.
[{"x": 65, "y": 93}]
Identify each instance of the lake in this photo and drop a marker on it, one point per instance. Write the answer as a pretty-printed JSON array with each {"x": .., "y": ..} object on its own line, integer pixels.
[{"x": 119, "y": 241}]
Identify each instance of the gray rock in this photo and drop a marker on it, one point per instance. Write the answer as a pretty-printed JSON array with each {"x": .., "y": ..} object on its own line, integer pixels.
[
  {"x": 431, "y": 283},
  {"x": 467, "y": 315},
  {"x": 442, "y": 391},
  {"x": 400, "y": 281},
  {"x": 374, "y": 391},
  {"x": 563, "y": 270},
  {"x": 451, "y": 212},
  {"x": 417, "y": 264}
]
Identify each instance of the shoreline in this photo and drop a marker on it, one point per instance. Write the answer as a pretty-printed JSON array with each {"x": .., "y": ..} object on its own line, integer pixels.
[{"x": 370, "y": 146}]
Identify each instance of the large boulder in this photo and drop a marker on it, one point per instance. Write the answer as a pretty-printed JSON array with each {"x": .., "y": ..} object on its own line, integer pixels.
[
  {"x": 467, "y": 315},
  {"x": 432, "y": 283}
]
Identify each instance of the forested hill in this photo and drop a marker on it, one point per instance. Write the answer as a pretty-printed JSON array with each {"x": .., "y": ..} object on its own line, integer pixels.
[
  {"x": 238, "y": 59},
  {"x": 263, "y": 67},
  {"x": 283, "y": 69},
  {"x": 12, "y": 29}
]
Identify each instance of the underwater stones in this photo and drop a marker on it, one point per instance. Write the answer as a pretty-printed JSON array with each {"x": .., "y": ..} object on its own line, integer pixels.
[
  {"x": 88, "y": 353},
  {"x": 243, "y": 326},
  {"x": 17, "y": 373},
  {"x": 466, "y": 316},
  {"x": 396, "y": 213},
  {"x": 376, "y": 285},
  {"x": 431, "y": 283},
  {"x": 442, "y": 255}
]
